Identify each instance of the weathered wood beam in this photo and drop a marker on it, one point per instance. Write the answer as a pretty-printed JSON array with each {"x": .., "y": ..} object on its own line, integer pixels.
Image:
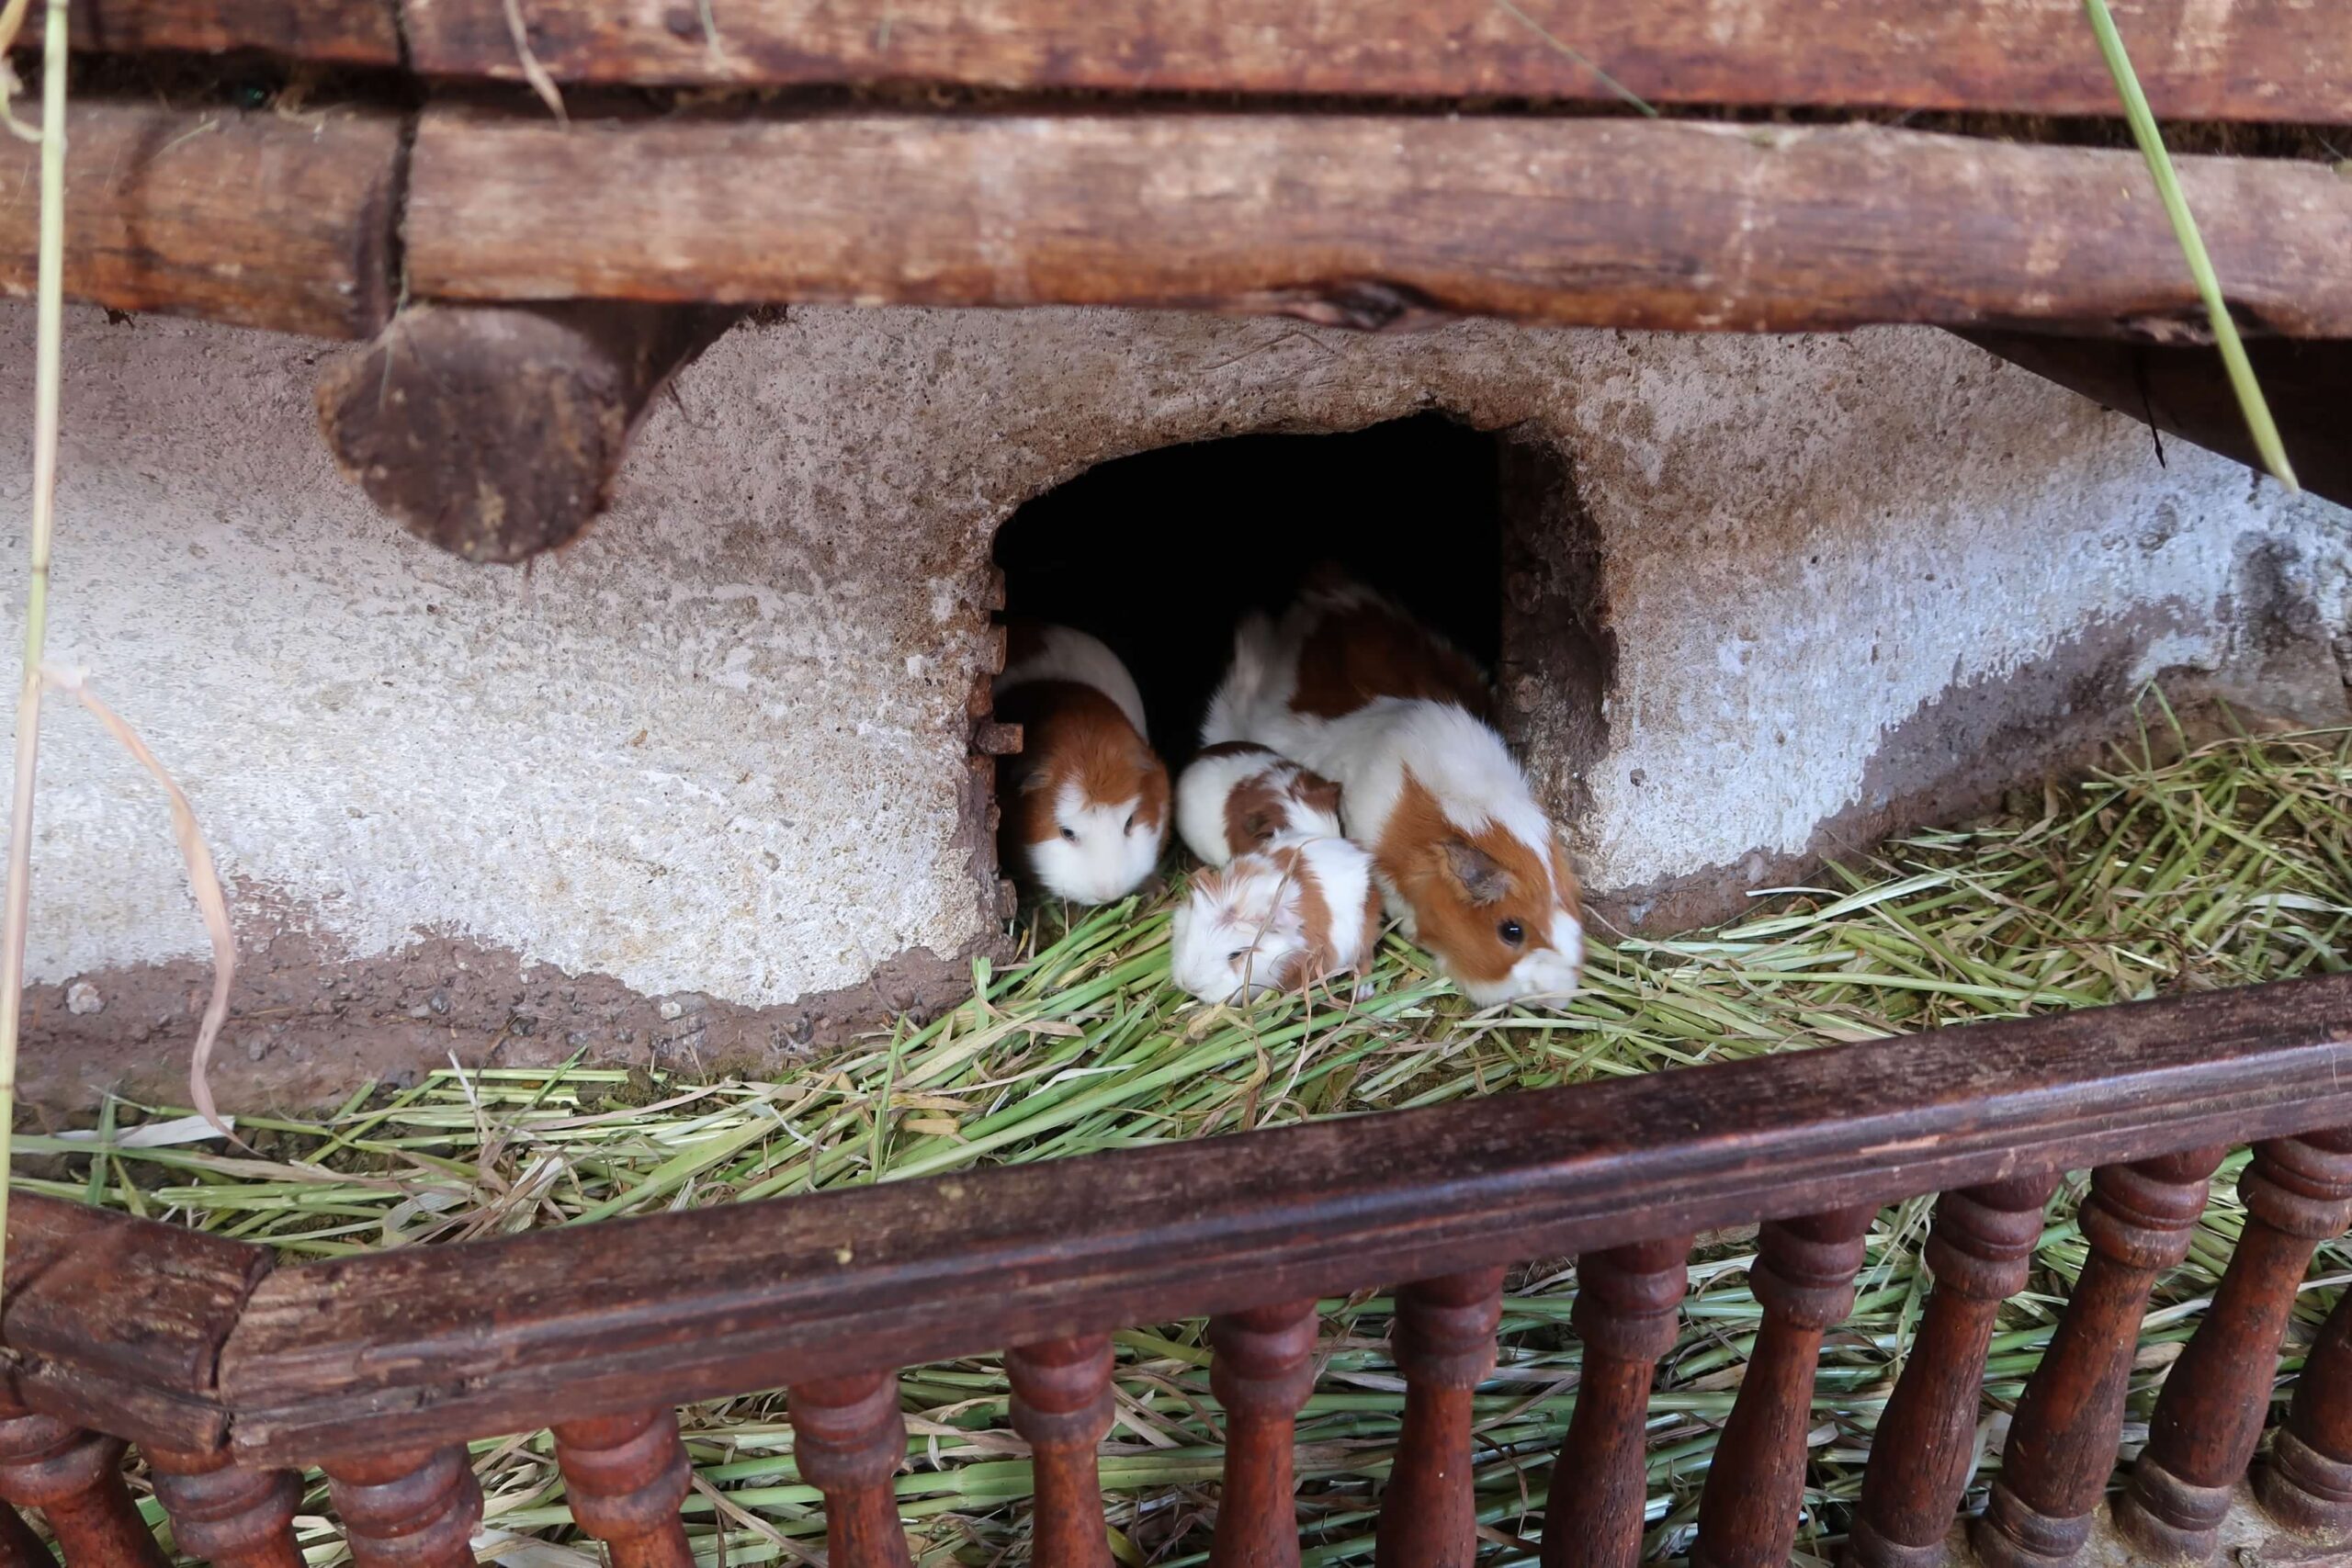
[
  {"x": 495, "y": 431},
  {"x": 2183, "y": 392},
  {"x": 1368, "y": 221},
  {"x": 257, "y": 218},
  {"x": 2277, "y": 60},
  {"x": 343, "y": 32}
]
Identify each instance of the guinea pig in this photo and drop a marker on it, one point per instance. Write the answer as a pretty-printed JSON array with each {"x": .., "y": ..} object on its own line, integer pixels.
[
  {"x": 1086, "y": 799},
  {"x": 1352, "y": 686},
  {"x": 1237, "y": 796},
  {"x": 1277, "y": 918}
]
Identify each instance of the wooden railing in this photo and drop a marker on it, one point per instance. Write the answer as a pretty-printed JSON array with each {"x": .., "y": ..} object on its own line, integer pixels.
[{"x": 377, "y": 1369}]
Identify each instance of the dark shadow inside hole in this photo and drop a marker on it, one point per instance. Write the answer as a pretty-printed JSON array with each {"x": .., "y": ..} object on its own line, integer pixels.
[{"x": 1159, "y": 554}]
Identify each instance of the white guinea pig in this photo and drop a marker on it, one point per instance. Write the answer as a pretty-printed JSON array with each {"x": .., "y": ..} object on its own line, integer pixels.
[
  {"x": 1238, "y": 796},
  {"x": 1278, "y": 919}
]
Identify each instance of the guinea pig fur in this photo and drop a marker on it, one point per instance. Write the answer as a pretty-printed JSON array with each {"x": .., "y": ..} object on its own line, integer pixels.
[
  {"x": 1238, "y": 796},
  {"x": 1277, "y": 918},
  {"x": 1085, "y": 802}
]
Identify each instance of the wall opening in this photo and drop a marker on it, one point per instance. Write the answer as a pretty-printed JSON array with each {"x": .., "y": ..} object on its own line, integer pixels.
[{"x": 1159, "y": 554}]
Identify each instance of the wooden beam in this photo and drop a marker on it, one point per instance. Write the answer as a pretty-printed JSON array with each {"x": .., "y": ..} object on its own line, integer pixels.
[
  {"x": 1368, "y": 221},
  {"x": 257, "y": 218},
  {"x": 2185, "y": 392},
  {"x": 341, "y": 32},
  {"x": 495, "y": 431},
  {"x": 423, "y": 1346},
  {"x": 2275, "y": 59}
]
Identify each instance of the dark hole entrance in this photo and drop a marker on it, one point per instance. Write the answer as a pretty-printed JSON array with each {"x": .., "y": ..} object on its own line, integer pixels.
[{"x": 1160, "y": 553}]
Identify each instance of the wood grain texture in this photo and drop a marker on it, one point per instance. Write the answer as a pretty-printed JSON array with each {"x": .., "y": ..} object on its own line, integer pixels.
[
  {"x": 2306, "y": 1482},
  {"x": 507, "y": 1334},
  {"x": 256, "y": 218},
  {"x": 225, "y": 1514},
  {"x": 2183, "y": 391},
  {"x": 1261, "y": 1372},
  {"x": 1443, "y": 1341},
  {"x": 74, "y": 1478},
  {"x": 849, "y": 1439},
  {"x": 341, "y": 32},
  {"x": 1061, "y": 1406},
  {"x": 407, "y": 1508},
  {"x": 1629, "y": 1302},
  {"x": 120, "y": 1321},
  {"x": 1369, "y": 222},
  {"x": 624, "y": 1476},
  {"x": 2242, "y": 59}
]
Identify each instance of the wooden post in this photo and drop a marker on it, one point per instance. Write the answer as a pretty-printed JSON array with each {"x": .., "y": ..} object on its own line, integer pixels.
[
  {"x": 74, "y": 1478},
  {"x": 495, "y": 431},
  {"x": 1980, "y": 1252},
  {"x": 225, "y": 1512},
  {"x": 2298, "y": 1193},
  {"x": 1627, "y": 1302},
  {"x": 19, "y": 1547},
  {"x": 1262, "y": 1371},
  {"x": 849, "y": 1440},
  {"x": 1755, "y": 1490},
  {"x": 1444, "y": 1338},
  {"x": 411, "y": 1510},
  {"x": 2062, "y": 1443},
  {"x": 2307, "y": 1482},
  {"x": 1061, "y": 1406},
  {"x": 625, "y": 1476}
]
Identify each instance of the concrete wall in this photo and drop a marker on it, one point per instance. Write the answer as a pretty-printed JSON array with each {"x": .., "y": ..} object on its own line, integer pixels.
[{"x": 698, "y": 789}]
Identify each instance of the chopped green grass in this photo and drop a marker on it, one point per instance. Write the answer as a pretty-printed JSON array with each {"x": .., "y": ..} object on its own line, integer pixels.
[{"x": 2231, "y": 866}]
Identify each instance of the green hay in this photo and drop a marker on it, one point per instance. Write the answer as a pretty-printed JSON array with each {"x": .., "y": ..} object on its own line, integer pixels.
[{"x": 2231, "y": 866}]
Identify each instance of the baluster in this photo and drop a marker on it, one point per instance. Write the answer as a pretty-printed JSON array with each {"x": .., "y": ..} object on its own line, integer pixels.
[
  {"x": 225, "y": 1512},
  {"x": 1980, "y": 1252},
  {"x": 1061, "y": 1406},
  {"x": 625, "y": 1476},
  {"x": 2307, "y": 1485},
  {"x": 1262, "y": 1373},
  {"x": 415, "y": 1508},
  {"x": 2298, "y": 1193},
  {"x": 1755, "y": 1490},
  {"x": 1627, "y": 1299},
  {"x": 849, "y": 1440},
  {"x": 74, "y": 1478},
  {"x": 2062, "y": 1443},
  {"x": 19, "y": 1547},
  {"x": 1443, "y": 1339}
]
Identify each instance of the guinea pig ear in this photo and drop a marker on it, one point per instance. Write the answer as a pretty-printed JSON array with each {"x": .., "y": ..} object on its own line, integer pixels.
[
  {"x": 1482, "y": 876},
  {"x": 1033, "y": 780}
]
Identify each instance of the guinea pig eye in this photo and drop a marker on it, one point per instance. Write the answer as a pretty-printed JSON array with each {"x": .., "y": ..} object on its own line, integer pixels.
[
  {"x": 1237, "y": 955},
  {"x": 1131, "y": 822},
  {"x": 1071, "y": 834},
  {"x": 1510, "y": 932}
]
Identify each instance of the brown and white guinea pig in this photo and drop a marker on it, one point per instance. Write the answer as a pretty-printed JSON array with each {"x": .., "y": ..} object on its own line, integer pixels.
[
  {"x": 1085, "y": 802},
  {"x": 1236, "y": 797},
  {"x": 1351, "y": 685},
  {"x": 1277, "y": 918}
]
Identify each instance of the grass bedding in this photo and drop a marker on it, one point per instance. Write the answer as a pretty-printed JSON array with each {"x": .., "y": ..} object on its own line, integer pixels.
[{"x": 2229, "y": 866}]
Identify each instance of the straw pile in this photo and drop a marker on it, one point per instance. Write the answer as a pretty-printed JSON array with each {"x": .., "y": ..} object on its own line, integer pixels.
[{"x": 2230, "y": 866}]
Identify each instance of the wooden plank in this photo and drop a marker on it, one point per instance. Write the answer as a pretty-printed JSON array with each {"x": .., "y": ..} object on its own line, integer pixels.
[
  {"x": 342, "y": 32},
  {"x": 255, "y": 217},
  {"x": 421, "y": 1346},
  {"x": 2279, "y": 60},
  {"x": 2185, "y": 392},
  {"x": 1368, "y": 221},
  {"x": 120, "y": 1320}
]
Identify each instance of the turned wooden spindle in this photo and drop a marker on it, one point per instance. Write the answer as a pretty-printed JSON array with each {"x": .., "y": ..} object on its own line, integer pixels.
[
  {"x": 1980, "y": 1252},
  {"x": 416, "y": 1508},
  {"x": 74, "y": 1478},
  {"x": 1755, "y": 1490},
  {"x": 849, "y": 1440},
  {"x": 19, "y": 1547},
  {"x": 1628, "y": 1299},
  {"x": 226, "y": 1513},
  {"x": 2298, "y": 1193},
  {"x": 1262, "y": 1371},
  {"x": 2306, "y": 1484},
  {"x": 2062, "y": 1441},
  {"x": 624, "y": 1476},
  {"x": 1443, "y": 1339},
  {"x": 1061, "y": 1406}
]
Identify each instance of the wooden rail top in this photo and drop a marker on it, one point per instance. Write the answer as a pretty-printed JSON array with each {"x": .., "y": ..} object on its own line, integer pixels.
[{"x": 429, "y": 1345}]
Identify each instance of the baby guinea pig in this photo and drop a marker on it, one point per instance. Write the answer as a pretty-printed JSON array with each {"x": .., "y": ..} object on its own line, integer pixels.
[
  {"x": 1086, "y": 799},
  {"x": 1277, "y": 918},
  {"x": 1238, "y": 796}
]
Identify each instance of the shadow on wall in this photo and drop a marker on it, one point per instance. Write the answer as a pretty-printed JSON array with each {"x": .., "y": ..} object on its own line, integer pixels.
[{"x": 1159, "y": 554}]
